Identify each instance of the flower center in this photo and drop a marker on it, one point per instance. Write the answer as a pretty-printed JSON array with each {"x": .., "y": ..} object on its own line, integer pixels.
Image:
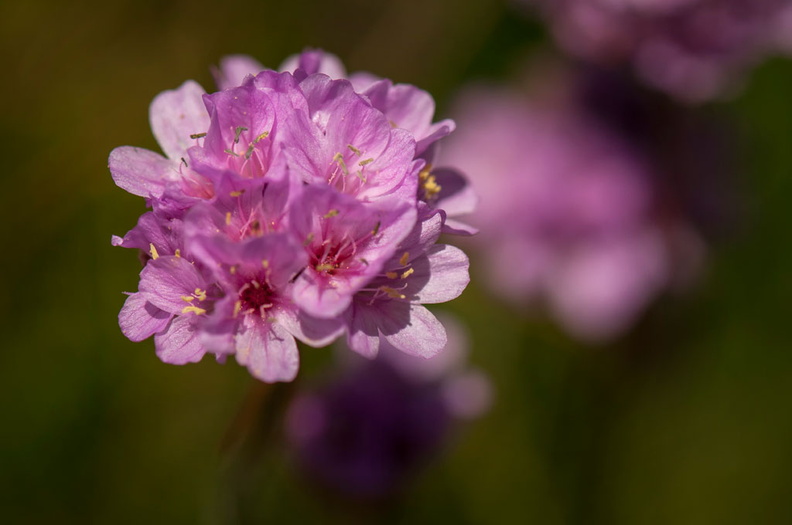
[{"x": 254, "y": 297}]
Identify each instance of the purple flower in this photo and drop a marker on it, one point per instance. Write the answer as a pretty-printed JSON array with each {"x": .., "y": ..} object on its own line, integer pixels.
[
  {"x": 390, "y": 308},
  {"x": 693, "y": 49},
  {"x": 280, "y": 201},
  {"x": 347, "y": 244},
  {"x": 568, "y": 209},
  {"x": 365, "y": 432},
  {"x": 405, "y": 107}
]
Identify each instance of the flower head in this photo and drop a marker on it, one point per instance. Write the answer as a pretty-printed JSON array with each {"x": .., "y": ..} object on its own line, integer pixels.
[
  {"x": 570, "y": 211},
  {"x": 280, "y": 200},
  {"x": 693, "y": 49}
]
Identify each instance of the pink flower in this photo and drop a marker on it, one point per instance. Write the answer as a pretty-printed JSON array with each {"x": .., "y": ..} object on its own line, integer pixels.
[
  {"x": 279, "y": 201},
  {"x": 568, "y": 209}
]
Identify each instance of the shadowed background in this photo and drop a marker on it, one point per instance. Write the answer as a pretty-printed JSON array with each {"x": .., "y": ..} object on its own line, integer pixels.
[{"x": 686, "y": 419}]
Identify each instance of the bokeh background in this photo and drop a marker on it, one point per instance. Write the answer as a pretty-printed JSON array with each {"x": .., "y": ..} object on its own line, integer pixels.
[{"x": 685, "y": 418}]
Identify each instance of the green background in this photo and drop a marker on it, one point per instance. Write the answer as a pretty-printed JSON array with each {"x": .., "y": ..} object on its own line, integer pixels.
[{"x": 688, "y": 419}]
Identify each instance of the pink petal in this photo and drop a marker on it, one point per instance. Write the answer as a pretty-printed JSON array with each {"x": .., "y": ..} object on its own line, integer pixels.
[
  {"x": 139, "y": 319},
  {"x": 175, "y": 115},
  {"x": 268, "y": 351},
  {"x": 180, "y": 343},
  {"x": 139, "y": 171}
]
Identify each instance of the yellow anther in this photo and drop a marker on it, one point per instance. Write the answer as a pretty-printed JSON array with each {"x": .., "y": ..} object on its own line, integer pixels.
[
  {"x": 339, "y": 158},
  {"x": 236, "y": 193},
  {"x": 393, "y": 294},
  {"x": 265, "y": 263},
  {"x": 188, "y": 298},
  {"x": 197, "y": 135},
  {"x": 405, "y": 259},
  {"x": 153, "y": 250},
  {"x": 255, "y": 284},
  {"x": 178, "y": 253},
  {"x": 262, "y": 137},
  {"x": 354, "y": 150},
  {"x": 250, "y": 149},
  {"x": 193, "y": 309},
  {"x": 237, "y": 132},
  {"x": 364, "y": 162},
  {"x": 233, "y": 269},
  {"x": 228, "y": 218},
  {"x": 391, "y": 275},
  {"x": 331, "y": 213},
  {"x": 428, "y": 182},
  {"x": 408, "y": 272},
  {"x": 324, "y": 267},
  {"x": 231, "y": 152},
  {"x": 237, "y": 308},
  {"x": 200, "y": 294}
]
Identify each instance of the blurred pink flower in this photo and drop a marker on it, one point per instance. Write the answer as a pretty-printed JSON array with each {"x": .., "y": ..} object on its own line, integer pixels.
[
  {"x": 693, "y": 49},
  {"x": 567, "y": 211}
]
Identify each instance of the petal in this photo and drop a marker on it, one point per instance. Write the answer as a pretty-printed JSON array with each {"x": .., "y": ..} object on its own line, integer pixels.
[
  {"x": 175, "y": 115},
  {"x": 453, "y": 227},
  {"x": 139, "y": 319},
  {"x": 233, "y": 70},
  {"x": 268, "y": 351},
  {"x": 313, "y": 61},
  {"x": 140, "y": 171},
  {"x": 446, "y": 274},
  {"x": 166, "y": 281},
  {"x": 421, "y": 334},
  {"x": 456, "y": 195},
  {"x": 180, "y": 343},
  {"x": 312, "y": 330},
  {"x": 362, "y": 331}
]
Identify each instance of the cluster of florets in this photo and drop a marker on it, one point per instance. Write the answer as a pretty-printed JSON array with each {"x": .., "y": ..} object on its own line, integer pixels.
[
  {"x": 692, "y": 49},
  {"x": 291, "y": 205},
  {"x": 570, "y": 213}
]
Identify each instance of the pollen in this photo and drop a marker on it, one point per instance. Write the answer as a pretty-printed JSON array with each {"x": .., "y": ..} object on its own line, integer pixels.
[
  {"x": 228, "y": 218},
  {"x": 188, "y": 298},
  {"x": 200, "y": 294},
  {"x": 236, "y": 193},
  {"x": 405, "y": 258},
  {"x": 153, "y": 250},
  {"x": 329, "y": 214},
  {"x": 354, "y": 150},
  {"x": 393, "y": 294},
  {"x": 193, "y": 309},
  {"x": 407, "y": 273},
  {"x": 237, "y": 132},
  {"x": 391, "y": 275},
  {"x": 428, "y": 182}
]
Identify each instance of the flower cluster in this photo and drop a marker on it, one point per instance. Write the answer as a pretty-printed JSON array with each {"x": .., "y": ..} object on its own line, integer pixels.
[
  {"x": 570, "y": 210},
  {"x": 366, "y": 431},
  {"x": 290, "y": 205},
  {"x": 693, "y": 49}
]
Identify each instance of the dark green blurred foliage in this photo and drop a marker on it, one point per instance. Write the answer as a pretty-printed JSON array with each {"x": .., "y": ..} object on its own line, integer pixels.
[{"x": 687, "y": 419}]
